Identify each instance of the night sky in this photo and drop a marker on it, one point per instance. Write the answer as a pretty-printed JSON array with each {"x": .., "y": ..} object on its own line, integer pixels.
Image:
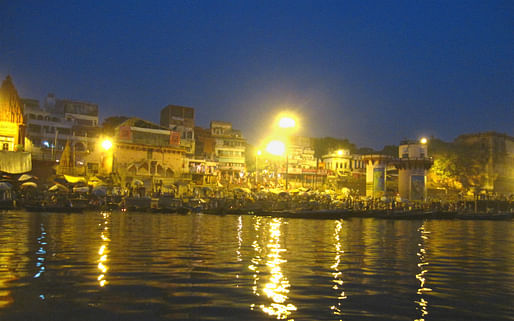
[{"x": 374, "y": 72}]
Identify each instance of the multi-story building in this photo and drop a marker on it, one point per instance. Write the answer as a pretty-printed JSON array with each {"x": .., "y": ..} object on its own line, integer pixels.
[
  {"x": 181, "y": 121},
  {"x": 341, "y": 162},
  {"x": 145, "y": 151},
  {"x": 61, "y": 120},
  {"x": 344, "y": 169},
  {"x": 413, "y": 164},
  {"x": 301, "y": 153},
  {"x": 229, "y": 149},
  {"x": 498, "y": 169}
]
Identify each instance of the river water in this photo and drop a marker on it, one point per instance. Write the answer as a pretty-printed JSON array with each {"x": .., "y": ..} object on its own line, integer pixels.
[{"x": 142, "y": 266}]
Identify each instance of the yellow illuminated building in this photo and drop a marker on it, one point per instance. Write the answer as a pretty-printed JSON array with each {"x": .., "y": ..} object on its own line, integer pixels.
[{"x": 11, "y": 117}]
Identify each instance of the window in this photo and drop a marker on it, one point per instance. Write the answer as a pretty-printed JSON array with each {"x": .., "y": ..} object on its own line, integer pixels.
[
  {"x": 34, "y": 128},
  {"x": 5, "y": 146},
  {"x": 149, "y": 154}
]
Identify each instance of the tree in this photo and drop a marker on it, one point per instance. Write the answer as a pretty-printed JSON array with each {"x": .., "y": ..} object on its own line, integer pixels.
[
  {"x": 110, "y": 123},
  {"x": 325, "y": 145},
  {"x": 391, "y": 150},
  {"x": 458, "y": 165}
]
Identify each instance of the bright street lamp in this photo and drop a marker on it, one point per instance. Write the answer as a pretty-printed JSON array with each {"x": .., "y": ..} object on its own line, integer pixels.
[
  {"x": 108, "y": 155},
  {"x": 423, "y": 140},
  {"x": 276, "y": 147},
  {"x": 259, "y": 152},
  {"x": 286, "y": 122},
  {"x": 106, "y": 144}
]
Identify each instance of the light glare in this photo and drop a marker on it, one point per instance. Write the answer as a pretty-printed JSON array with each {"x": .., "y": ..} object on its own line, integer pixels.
[
  {"x": 276, "y": 147},
  {"x": 286, "y": 122},
  {"x": 106, "y": 144}
]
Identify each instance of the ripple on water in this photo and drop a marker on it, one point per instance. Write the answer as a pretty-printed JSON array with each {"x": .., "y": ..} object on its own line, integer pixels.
[{"x": 201, "y": 267}]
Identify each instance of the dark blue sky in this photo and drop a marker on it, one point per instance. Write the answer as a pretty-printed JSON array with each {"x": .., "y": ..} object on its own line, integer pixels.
[{"x": 374, "y": 72}]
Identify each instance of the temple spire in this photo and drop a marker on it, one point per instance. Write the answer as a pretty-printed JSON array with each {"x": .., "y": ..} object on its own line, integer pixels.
[{"x": 10, "y": 106}]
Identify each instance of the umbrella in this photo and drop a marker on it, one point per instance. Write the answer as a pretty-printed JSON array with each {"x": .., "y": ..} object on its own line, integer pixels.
[
  {"x": 25, "y": 177},
  {"x": 100, "y": 190},
  {"x": 59, "y": 187},
  {"x": 4, "y": 186},
  {"x": 29, "y": 184},
  {"x": 137, "y": 182},
  {"x": 74, "y": 179},
  {"x": 60, "y": 180},
  {"x": 81, "y": 189},
  {"x": 95, "y": 181},
  {"x": 242, "y": 190}
]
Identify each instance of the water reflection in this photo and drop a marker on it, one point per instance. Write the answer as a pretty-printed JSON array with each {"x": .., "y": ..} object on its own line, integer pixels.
[
  {"x": 41, "y": 256},
  {"x": 239, "y": 244},
  {"x": 422, "y": 265},
  {"x": 337, "y": 274},
  {"x": 41, "y": 252},
  {"x": 256, "y": 258},
  {"x": 277, "y": 287},
  {"x": 103, "y": 251},
  {"x": 183, "y": 267}
]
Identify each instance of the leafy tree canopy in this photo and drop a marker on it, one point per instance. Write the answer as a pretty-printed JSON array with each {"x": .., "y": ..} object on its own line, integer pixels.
[
  {"x": 325, "y": 145},
  {"x": 110, "y": 123}
]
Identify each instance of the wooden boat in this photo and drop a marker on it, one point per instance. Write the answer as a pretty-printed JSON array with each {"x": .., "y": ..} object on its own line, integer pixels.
[
  {"x": 53, "y": 208},
  {"x": 484, "y": 216},
  {"x": 139, "y": 204},
  {"x": 168, "y": 204}
]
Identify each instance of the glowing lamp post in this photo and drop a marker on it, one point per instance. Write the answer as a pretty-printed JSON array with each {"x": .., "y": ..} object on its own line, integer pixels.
[
  {"x": 286, "y": 122},
  {"x": 106, "y": 144},
  {"x": 289, "y": 124},
  {"x": 277, "y": 148},
  {"x": 259, "y": 152},
  {"x": 108, "y": 156}
]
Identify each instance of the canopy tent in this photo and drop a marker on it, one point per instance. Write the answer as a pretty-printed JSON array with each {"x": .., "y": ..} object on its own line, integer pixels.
[
  {"x": 80, "y": 189},
  {"x": 100, "y": 190},
  {"x": 137, "y": 182},
  {"x": 25, "y": 177},
  {"x": 95, "y": 181},
  {"x": 58, "y": 188},
  {"x": 4, "y": 186},
  {"x": 74, "y": 179},
  {"x": 242, "y": 190},
  {"x": 28, "y": 184}
]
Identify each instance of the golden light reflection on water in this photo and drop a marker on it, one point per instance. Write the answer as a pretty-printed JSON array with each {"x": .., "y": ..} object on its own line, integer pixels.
[
  {"x": 14, "y": 263},
  {"x": 277, "y": 287},
  {"x": 337, "y": 274},
  {"x": 103, "y": 251},
  {"x": 257, "y": 258},
  {"x": 239, "y": 244},
  {"x": 239, "y": 238},
  {"x": 422, "y": 265}
]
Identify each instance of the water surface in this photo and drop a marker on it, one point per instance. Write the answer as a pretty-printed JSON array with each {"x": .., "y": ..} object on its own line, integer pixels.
[{"x": 142, "y": 266}]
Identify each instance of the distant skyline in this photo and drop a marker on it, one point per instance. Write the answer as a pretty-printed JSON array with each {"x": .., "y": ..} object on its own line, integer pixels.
[{"x": 373, "y": 72}]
